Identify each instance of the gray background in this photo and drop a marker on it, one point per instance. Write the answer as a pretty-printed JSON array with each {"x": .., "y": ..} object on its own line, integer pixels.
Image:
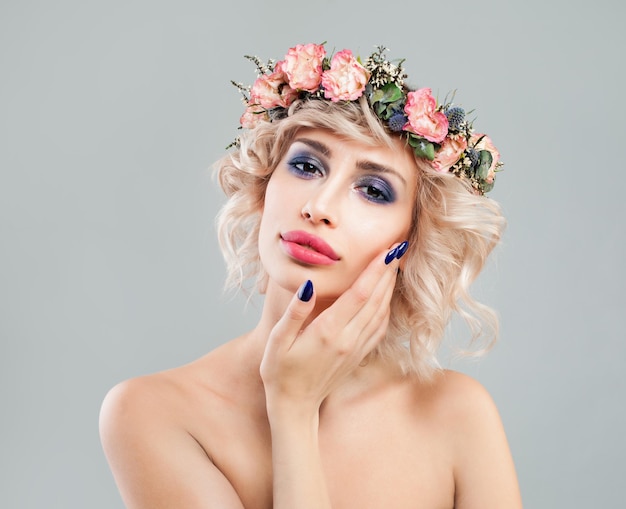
[{"x": 111, "y": 114}]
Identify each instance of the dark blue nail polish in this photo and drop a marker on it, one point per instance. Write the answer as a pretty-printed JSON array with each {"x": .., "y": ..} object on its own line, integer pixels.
[
  {"x": 391, "y": 255},
  {"x": 306, "y": 291},
  {"x": 402, "y": 248}
]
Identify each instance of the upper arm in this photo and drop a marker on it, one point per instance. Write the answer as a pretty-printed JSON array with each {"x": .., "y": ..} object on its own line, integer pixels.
[
  {"x": 156, "y": 463},
  {"x": 483, "y": 466}
]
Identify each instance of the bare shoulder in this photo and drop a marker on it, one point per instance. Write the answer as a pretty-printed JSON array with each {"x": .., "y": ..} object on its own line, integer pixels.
[
  {"x": 134, "y": 401},
  {"x": 483, "y": 468},
  {"x": 154, "y": 457},
  {"x": 172, "y": 396},
  {"x": 462, "y": 398},
  {"x": 170, "y": 401}
]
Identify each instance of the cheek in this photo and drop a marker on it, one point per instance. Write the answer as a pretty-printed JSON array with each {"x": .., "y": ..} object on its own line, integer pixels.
[
  {"x": 374, "y": 236},
  {"x": 280, "y": 204},
  {"x": 280, "y": 194},
  {"x": 384, "y": 227},
  {"x": 268, "y": 214},
  {"x": 273, "y": 201}
]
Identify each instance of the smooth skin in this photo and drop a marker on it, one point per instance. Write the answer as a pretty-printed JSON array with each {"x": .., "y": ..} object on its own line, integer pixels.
[{"x": 295, "y": 413}]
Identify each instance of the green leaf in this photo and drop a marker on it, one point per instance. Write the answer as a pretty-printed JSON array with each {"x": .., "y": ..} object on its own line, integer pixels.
[
  {"x": 380, "y": 108},
  {"x": 422, "y": 148},
  {"x": 392, "y": 93},
  {"x": 486, "y": 187},
  {"x": 377, "y": 96},
  {"x": 413, "y": 141},
  {"x": 397, "y": 105},
  {"x": 484, "y": 163},
  {"x": 386, "y": 112}
]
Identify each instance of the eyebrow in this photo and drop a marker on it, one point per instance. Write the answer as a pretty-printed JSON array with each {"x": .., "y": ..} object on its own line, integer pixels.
[
  {"x": 316, "y": 145},
  {"x": 362, "y": 165}
]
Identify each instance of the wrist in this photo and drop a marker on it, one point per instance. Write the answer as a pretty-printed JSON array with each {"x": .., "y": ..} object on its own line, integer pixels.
[{"x": 300, "y": 414}]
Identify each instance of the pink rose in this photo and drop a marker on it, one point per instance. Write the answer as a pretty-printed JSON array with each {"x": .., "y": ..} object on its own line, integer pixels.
[
  {"x": 486, "y": 144},
  {"x": 346, "y": 78},
  {"x": 303, "y": 66},
  {"x": 424, "y": 120},
  {"x": 449, "y": 153},
  {"x": 272, "y": 90},
  {"x": 252, "y": 116}
]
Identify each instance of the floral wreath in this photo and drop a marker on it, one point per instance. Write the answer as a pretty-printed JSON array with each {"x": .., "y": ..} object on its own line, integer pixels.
[{"x": 441, "y": 134}]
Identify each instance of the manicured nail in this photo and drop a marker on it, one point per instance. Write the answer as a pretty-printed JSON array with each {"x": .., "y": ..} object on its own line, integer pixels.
[
  {"x": 391, "y": 255},
  {"x": 306, "y": 291},
  {"x": 402, "y": 249}
]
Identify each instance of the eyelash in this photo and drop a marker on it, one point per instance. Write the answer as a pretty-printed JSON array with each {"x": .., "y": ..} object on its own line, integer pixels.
[
  {"x": 376, "y": 190},
  {"x": 373, "y": 189},
  {"x": 298, "y": 163}
]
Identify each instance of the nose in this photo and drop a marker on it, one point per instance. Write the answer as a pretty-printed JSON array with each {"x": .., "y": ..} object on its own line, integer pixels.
[{"x": 322, "y": 206}]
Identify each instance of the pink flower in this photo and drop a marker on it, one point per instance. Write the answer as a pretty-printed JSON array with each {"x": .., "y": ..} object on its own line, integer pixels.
[
  {"x": 424, "y": 120},
  {"x": 252, "y": 116},
  {"x": 486, "y": 144},
  {"x": 449, "y": 153},
  {"x": 303, "y": 66},
  {"x": 272, "y": 90},
  {"x": 346, "y": 78}
]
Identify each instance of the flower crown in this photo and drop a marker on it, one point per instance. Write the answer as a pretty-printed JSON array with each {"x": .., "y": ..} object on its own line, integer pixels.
[{"x": 441, "y": 134}]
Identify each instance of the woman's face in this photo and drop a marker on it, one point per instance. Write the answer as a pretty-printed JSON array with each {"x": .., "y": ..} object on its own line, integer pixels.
[{"x": 331, "y": 206}]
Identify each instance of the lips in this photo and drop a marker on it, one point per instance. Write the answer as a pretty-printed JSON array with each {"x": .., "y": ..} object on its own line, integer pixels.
[{"x": 308, "y": 248}]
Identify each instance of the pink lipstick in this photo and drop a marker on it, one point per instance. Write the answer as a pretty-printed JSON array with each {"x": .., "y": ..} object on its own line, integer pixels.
[{"x": 308, "y": 248}]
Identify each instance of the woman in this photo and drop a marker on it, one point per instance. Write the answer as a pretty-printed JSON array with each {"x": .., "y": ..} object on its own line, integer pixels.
[{"x": 359, "y": 208}]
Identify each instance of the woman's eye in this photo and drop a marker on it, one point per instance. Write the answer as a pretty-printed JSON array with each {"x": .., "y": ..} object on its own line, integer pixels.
[
  {"x": 376, "y": 190},
  {"x": 305, "y": 168}
]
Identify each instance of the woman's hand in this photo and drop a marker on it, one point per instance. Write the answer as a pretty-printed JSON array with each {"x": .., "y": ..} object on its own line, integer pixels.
[{"x": 302, "y": 366}]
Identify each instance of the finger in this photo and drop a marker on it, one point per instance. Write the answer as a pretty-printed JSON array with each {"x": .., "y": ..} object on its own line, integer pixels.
[
  {"x": 376, "y": 311},
  {"x": 375, "y": 330},
  {"x": 290, "y": 324},
  {"x": 361, "y": 309},
  {"x": 366, "y": 292},
  {"x": 366, "y": 323}
]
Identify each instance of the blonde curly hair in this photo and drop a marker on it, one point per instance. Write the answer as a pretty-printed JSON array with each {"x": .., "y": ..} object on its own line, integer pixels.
[{"x": 453, "y": 232}]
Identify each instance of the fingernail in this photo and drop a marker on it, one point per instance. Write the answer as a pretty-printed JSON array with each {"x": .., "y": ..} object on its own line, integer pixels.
[
  {"x": 391, "y": 255},
  {"x": 306, "y": 291},
  {"x": 402, "y": 248}
]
